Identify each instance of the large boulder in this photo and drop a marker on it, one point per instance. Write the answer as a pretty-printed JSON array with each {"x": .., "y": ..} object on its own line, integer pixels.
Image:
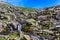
[
  {"x": 42, "y": 17},
  {"x": 15, "y": 23}
]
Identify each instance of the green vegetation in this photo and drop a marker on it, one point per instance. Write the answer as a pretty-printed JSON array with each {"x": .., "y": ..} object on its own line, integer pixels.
[
  {"x": 12, "y": 36},
  {"x": 47, "y": 13},
  {"x": 45, "y": 26},
  {"x": 6, "y": 31},
  {"x": 5, "y": 5},
  {"x": 26, "y": 28},
  {"x": 1, "y": 38},
  {"x": 5, "y": 21},
  {"x": 59, "y": 37},
  {"x": 51, "y": 24},
  {"x": 22, "y": 39},
  {"x": 26, "y": 9},
  {"x": 43, "y": 34}
]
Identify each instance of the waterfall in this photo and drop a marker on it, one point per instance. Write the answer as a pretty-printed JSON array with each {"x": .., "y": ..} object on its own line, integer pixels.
[
  {"x": 19, "y": 30},
  {"x": 19, "y": 27},
  {"x": 11, "y": 28}
]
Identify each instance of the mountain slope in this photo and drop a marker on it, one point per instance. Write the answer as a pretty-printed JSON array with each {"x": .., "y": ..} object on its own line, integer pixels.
[{"x": 29, "y": 23}]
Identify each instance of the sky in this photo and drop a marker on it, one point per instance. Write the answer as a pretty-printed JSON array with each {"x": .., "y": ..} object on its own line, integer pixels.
[{"x": 34, "y": 3}]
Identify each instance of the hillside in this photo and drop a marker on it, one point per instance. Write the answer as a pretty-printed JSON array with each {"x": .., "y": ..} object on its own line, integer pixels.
[{"x": 29, "y": 23}]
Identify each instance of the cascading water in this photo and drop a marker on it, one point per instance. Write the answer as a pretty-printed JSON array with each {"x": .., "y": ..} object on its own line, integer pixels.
[
  {"x": 11, "y": 28},
  {"x": 19, "y": 27},
  {"x": 19, "y": 30}
]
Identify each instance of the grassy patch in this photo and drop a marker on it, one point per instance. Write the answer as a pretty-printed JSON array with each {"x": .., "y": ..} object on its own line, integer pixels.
[
  {"x": 22, "y": 39},
  {"x": 12, "y": 36},
  {"x": 26, "y": 28},
  {"x": 1, "y": 38},
  {"x": 26, "y": 9}
]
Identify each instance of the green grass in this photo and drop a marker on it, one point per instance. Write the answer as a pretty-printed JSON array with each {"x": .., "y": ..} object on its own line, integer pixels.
[
  {"x": 22, "y": 39},
  {"x": 41, "y": 34},
  {"x": 25, "y": 9},
  {"x": 26, "y": 28},
  {"x": 47, "y": 13},
  {"x": 59, "y": 37},
  {"x": 12, "y": 36},
  {"x": 1, "y": 38},
  {"x": 5, "y": 21}
]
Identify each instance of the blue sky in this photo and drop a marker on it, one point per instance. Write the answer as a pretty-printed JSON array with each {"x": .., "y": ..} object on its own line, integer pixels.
[{"x": 34, "y": 3}]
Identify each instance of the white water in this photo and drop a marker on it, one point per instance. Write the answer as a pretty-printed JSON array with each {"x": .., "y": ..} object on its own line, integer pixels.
[
  {"x": 11, "y": 28},
  {"x": 19, "y": 27}
]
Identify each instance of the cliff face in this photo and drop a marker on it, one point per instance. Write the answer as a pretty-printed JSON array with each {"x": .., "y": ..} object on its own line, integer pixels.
[{"x": 30, "y": 21}]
